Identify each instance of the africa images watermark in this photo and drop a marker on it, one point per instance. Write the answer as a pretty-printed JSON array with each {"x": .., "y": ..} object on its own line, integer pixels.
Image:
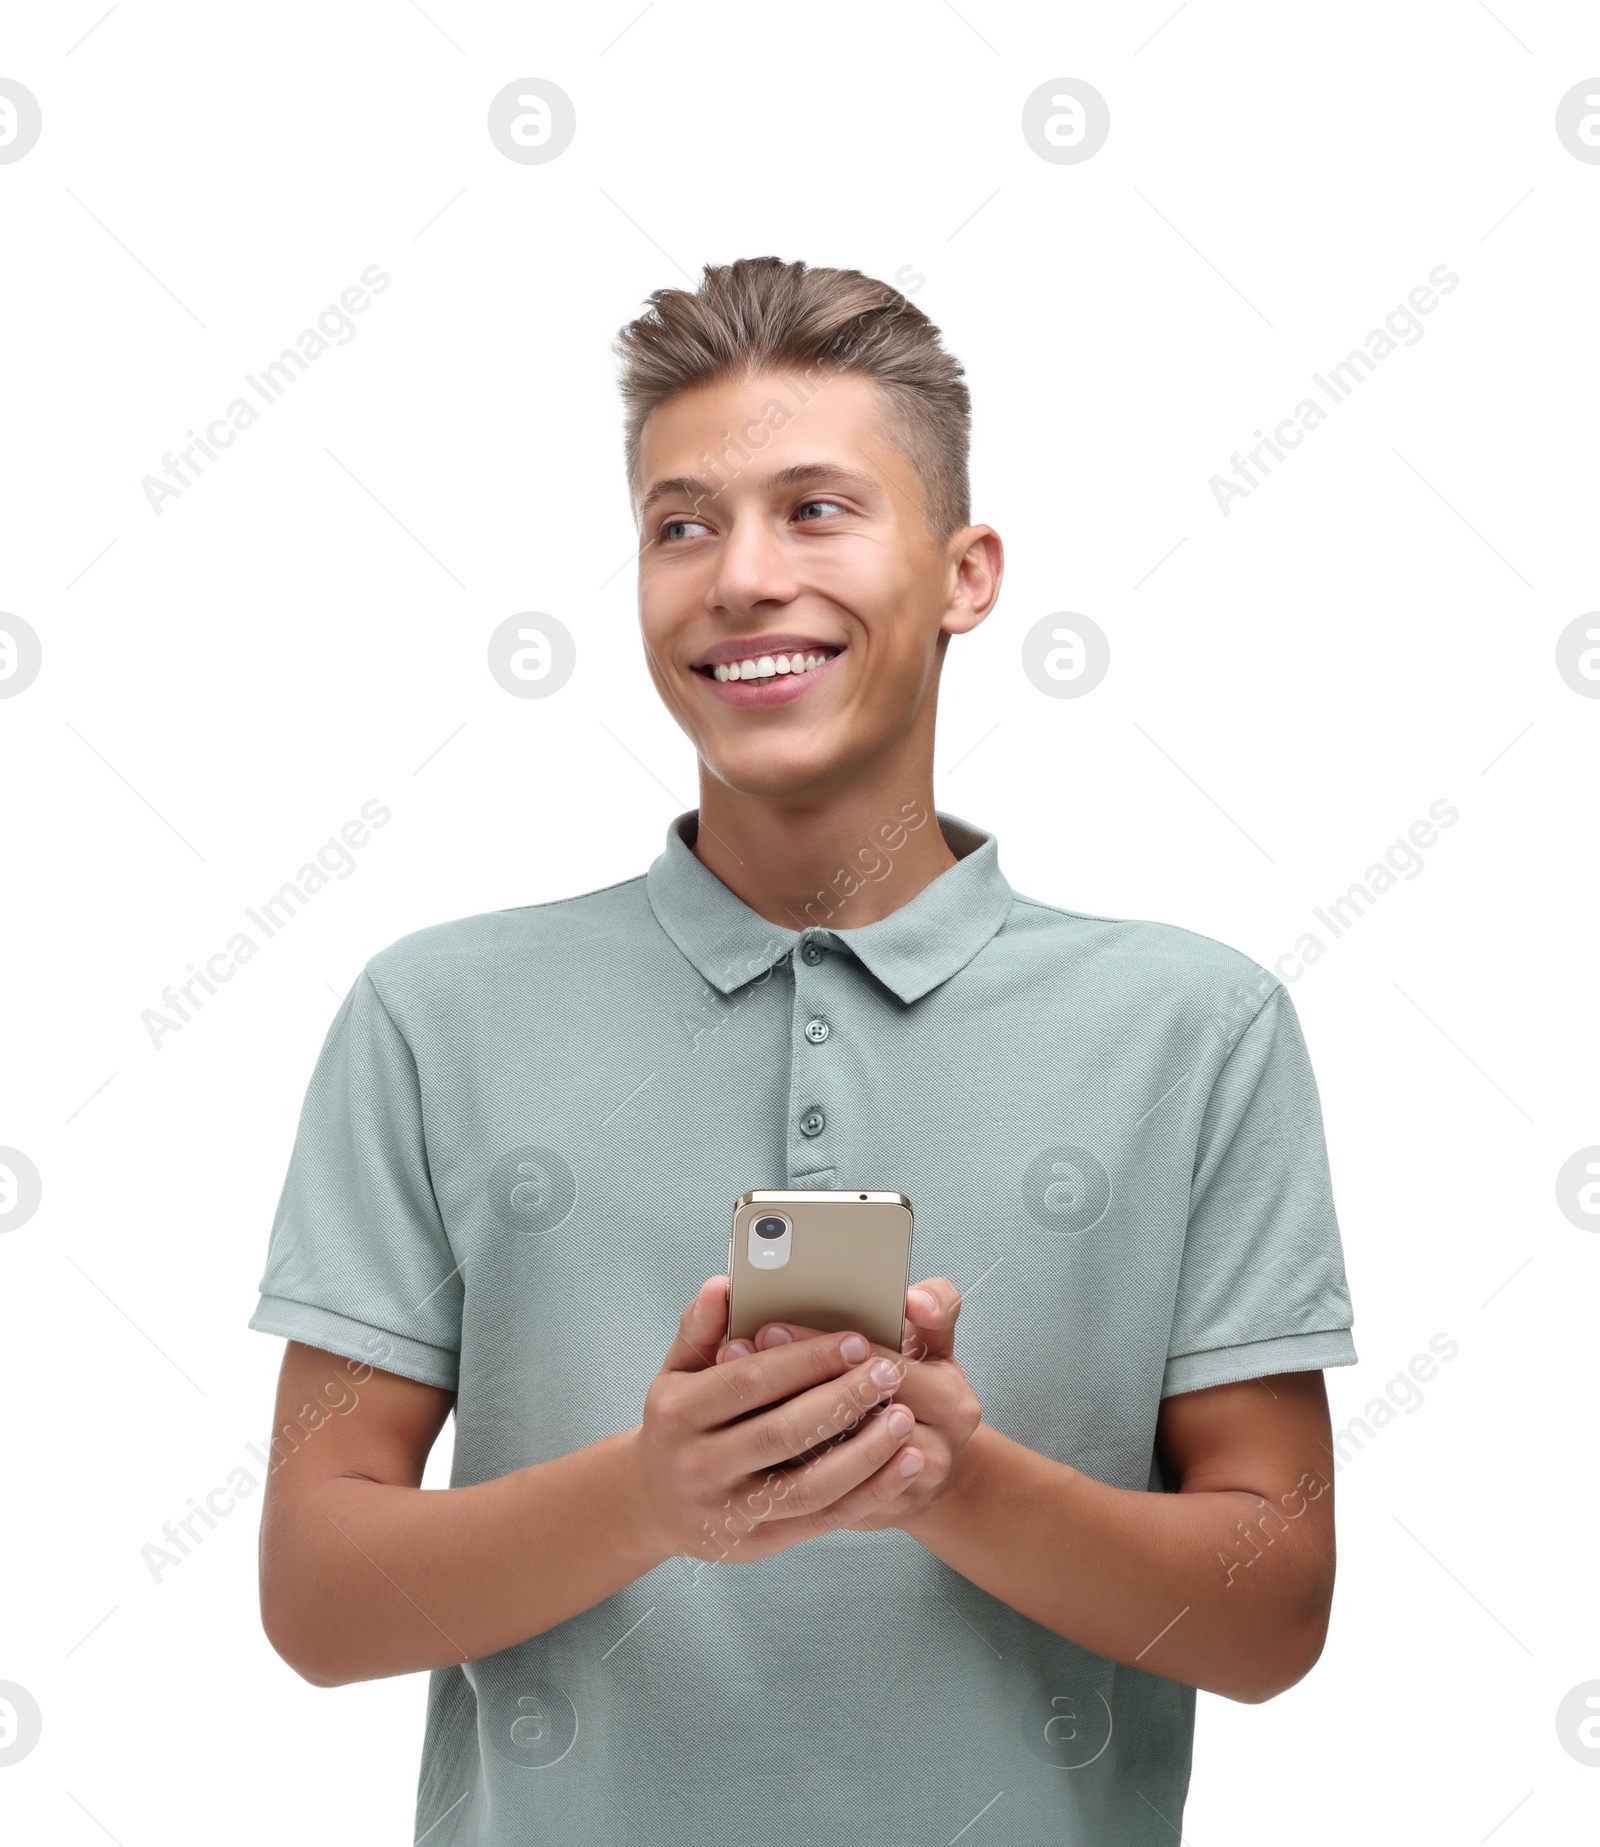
[
  {"x": 269, "y": 918},
  {"x": 275, "y": 379},
  {"x": 1402, "y": 1393},
  {"x": 830, "y": 1433},
  {"x": 1339, "y": 383},
  {"x": 1402, "y": 859},
  {"x": 876, "y": 864},
  {"x": 180, "y": 1536}
]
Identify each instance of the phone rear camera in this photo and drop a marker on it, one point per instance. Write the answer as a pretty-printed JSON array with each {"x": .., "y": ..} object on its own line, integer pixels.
[{"x": 770, "y": 1228}]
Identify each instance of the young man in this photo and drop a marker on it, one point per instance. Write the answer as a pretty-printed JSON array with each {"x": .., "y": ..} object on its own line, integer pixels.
[{"x": 681, "y": 1591}]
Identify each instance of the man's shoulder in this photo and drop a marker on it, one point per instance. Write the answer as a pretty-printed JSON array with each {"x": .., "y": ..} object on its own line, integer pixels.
[
  {"x": 463, "y": 951},
  {"x": 1141, "y": 961}
]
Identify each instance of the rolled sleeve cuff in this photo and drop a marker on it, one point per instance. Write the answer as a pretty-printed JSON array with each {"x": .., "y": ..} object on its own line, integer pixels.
[
  {"x": 357, "y": 1340},
  {"x": 1193, "y": 1372}
]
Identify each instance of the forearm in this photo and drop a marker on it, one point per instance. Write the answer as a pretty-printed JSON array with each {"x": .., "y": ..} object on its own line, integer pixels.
[
  {"x": 1164, "y": 1582},
  {"x": 362, "y": 1579}
]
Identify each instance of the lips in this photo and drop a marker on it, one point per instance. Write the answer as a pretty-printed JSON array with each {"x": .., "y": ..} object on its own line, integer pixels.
[
  {"x": 773, "y": 690},
  {"x": 752, "y": 647},
  {"x": 794, "y": 665}
]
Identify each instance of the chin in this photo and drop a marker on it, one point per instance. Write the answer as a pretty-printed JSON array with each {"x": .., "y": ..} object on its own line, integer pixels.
[{"x": 768, "y": 775}]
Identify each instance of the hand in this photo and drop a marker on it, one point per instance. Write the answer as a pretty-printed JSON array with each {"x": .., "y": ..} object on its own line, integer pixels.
[
  {"x": 716, "y": 1453},
  {"x": 934, "y": 1389}
]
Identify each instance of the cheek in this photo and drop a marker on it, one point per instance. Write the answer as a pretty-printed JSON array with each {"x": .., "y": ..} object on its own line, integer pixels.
[
  {"x": 652, "y": 638},
  {"x": 669, "y": 680},
  {"x": 667, "y": 600}
]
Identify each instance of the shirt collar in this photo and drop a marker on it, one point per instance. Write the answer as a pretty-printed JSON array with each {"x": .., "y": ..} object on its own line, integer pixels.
[{"x": 910, "y": 951}]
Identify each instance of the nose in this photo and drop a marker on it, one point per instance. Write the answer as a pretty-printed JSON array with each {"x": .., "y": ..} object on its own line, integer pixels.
[{"x": 753, "y": 567}]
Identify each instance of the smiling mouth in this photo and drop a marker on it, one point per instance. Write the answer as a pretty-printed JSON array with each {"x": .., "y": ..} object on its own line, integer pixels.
[{"x": 765, "y": 668}]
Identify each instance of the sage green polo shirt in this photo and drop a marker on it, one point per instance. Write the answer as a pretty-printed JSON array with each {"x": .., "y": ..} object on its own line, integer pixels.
[{"x": 516, "y": 1164}]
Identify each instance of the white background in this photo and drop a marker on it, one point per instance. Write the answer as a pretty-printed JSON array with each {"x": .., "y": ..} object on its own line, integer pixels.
[{"x": 1373, "y": 629}]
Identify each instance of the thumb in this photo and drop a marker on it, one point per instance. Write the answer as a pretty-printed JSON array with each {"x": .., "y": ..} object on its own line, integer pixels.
[{"x": 700, "y": 1328}]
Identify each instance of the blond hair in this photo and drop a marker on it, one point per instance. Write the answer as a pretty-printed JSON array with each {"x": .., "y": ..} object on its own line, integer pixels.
[{"x": 760, "y": 314}]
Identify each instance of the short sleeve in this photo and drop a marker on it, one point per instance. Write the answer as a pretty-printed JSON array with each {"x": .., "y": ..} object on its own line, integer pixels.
[
  {"x": 1261, "y": 1288},
  {"x": 359, "y": 1261}
]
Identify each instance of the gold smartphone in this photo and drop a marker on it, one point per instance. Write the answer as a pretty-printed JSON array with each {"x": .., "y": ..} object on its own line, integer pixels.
[{"x": 830, "y": 1260}]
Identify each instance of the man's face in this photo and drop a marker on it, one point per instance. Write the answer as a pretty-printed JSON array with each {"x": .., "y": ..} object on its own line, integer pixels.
[{"x": 811, "y": 541}]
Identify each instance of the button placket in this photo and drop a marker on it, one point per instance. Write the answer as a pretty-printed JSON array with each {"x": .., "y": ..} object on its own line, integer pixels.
[{"x": 810, "y": 1117}]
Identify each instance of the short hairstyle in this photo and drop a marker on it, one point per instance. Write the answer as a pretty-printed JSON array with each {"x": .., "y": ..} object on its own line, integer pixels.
[{"x": 761, "y": 314}]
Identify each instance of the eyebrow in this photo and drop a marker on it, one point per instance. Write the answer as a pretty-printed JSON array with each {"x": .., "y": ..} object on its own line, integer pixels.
[{"x": 797, "y": 474}]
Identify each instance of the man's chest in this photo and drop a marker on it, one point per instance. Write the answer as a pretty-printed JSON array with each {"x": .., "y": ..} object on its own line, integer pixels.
[{"x": 587, "y": 1179}]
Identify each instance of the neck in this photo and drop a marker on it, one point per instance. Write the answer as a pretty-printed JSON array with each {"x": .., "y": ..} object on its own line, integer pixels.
[{"x": 838, "y": 864}]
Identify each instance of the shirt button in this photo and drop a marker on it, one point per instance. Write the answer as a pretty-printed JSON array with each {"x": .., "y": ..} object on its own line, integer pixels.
[
  {"x": 812, "y": 953},
  {"x": 816, "y": 1031},
  {"x": 813, "y": 1122}
]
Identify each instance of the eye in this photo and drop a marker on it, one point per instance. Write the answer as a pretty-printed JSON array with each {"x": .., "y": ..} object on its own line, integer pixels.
[
  {"x": 669, "y": 529},
  {"x": 819, "y": 503}
]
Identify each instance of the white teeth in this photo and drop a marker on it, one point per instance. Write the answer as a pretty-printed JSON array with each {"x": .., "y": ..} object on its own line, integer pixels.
[{"x": 765, "y": 666}]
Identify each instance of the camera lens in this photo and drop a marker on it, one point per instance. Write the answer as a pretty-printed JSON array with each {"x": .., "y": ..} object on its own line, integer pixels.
[{"x": 770, "y": 1228}]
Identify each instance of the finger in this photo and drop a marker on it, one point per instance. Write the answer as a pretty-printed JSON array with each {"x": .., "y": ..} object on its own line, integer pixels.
[
  {"x": 875, "y": 1504},
  {"x": 845, "y": 1479},
  {"x": 931, "y": 1311},
  {"x": 769, "y": 1334},
  {"x": 781, "y": 1333},
  {"x": 772, "y": 1335},
  {"x": 802, "y": 1426},
  {"x": 701, "y": 1325},
  {"x": 764, "y": 1379}
]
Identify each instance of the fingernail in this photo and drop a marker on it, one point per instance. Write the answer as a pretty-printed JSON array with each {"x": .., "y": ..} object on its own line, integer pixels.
[
  {"x": 885, "y": 1372},
  {"x": 910, "y": 1463},
  {"x": 737, "y": 1350},
  {"x": 923, "y": 1300},
  {"x": 776, "y": 1337},
  {"x": 853, "y": 1347},
  {"x": 900, "y": 1420}
]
